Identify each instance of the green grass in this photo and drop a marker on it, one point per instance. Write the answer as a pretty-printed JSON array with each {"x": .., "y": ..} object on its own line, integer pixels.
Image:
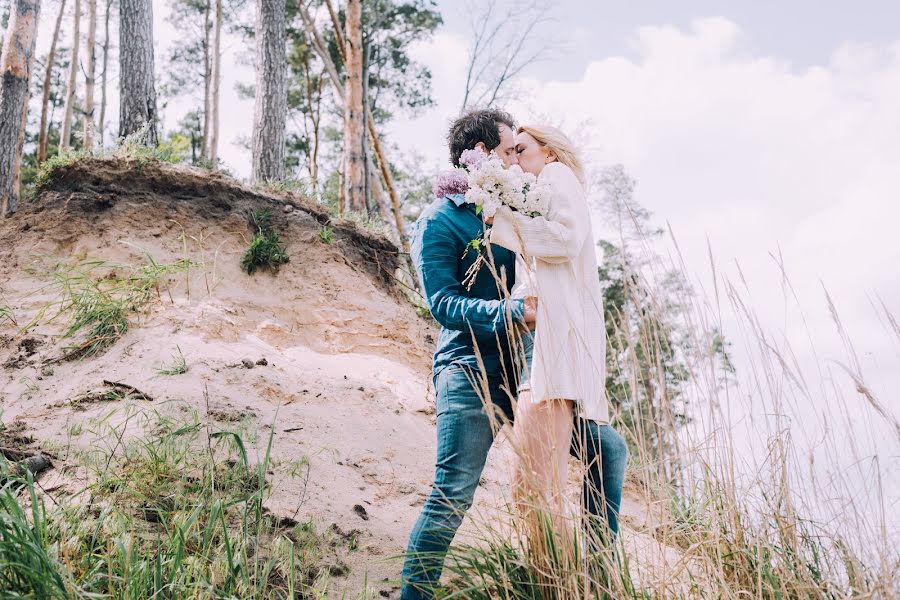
[
  {"x": 326, "y": 234},
  {"x": 6, "y": 314},
  {"x": 534, "y": 564},
  {"x": 178, "y": 366},
  {"x": 27, "y": 567},
  {"x": 289, "y": 186},
  {"x": 372, "y": 223},
  {"x": 31, "y": 388},
  {"x": 266, "y": 249},
  {"x": 133, "y": 148},
  {"x": 174, "y": 513},
  {"x": 57, "y": 161},
  {"x": 99, "y": 297}
]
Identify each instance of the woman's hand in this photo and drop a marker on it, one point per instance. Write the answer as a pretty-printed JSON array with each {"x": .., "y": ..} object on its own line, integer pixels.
[
  {"x": 531, "y": 304},
  {"x": 488, "y": 220}
]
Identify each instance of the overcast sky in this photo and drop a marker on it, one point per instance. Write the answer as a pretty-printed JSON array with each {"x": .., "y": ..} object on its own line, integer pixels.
[{"x": 760, "y": 128}]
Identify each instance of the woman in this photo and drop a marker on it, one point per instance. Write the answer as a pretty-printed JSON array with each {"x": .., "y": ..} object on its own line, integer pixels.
[{"x": 567, "y": 369}]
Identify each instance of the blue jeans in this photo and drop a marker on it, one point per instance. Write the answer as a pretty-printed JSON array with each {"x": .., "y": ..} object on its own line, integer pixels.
[{"x": 464, "y": 436}]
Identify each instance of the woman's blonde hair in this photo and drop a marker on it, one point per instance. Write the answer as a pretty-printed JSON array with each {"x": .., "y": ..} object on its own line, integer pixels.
[{"x": 557, "y": 142}]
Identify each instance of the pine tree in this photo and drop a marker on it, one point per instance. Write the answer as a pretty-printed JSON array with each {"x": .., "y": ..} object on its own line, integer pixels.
[
  {"x": 212, "y": 144},
  {"x": 102, "y": 123},
  {"x": 270, "y": 113},
  {"x": 44, "y": 126},
  {"x": 137, "y": 91},
  {"x": 90, "y": 73},
  {"x": 354, "y": 152},
  {"x": 15, "y": 69},
  {"x": 65, "y": 139}
]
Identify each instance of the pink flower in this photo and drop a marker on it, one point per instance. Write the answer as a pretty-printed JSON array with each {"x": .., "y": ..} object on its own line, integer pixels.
[
  {"x": 472, "y": 159},
  {"x": 454, "y": 181}
]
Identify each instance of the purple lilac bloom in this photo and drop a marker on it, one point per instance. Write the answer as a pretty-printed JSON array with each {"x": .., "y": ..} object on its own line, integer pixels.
[
  {"x": 454, "y": 181},
  {"x": 472, "y": 159}
]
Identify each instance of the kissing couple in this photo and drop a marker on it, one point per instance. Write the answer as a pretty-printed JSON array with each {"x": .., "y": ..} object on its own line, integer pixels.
[{"x": 522, "y": 342}]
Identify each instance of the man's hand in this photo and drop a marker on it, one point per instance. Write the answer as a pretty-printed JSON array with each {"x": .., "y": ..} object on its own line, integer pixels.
[{"x": 531, "y": 303}]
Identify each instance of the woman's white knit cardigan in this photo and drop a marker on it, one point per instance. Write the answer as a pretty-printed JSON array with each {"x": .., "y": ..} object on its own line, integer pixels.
[{"x": 569, "y": 360}]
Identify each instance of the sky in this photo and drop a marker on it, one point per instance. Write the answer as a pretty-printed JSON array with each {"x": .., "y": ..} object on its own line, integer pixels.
[{"x": 764, "y": 134}]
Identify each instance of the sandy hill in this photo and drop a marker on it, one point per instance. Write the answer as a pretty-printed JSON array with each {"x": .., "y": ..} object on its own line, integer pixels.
[{"x": 327, "y": 350}]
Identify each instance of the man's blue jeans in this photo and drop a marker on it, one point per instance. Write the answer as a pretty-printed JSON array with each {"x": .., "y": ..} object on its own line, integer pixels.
[{"x": 464, "y": 436}]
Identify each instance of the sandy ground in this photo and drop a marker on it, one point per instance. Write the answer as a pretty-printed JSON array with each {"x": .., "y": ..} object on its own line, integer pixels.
[{"x": 346, "y": 379}]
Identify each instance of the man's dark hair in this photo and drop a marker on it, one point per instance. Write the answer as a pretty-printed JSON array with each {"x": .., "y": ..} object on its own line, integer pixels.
[{"x": 477, "y": 126}]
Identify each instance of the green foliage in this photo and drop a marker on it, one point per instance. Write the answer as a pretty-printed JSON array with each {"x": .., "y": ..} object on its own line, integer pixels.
[
  {"x": 189, "y": 64},
  {"x": 326, "y": 234},
  {"x": 187, "y": 58},
  {"x": 133, "y": 147},
  {"x": 266, "y": 249},
  {"x": 187, "y": 143},
  {"x": 54, "y": 162},
  {"x": 394, "y": 82},
  {"x": 330, "y": 197},
  {"x": 414, "y": 185}
]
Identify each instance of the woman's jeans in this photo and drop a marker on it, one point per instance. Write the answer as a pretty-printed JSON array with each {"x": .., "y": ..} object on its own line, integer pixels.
[{"x": 464, "y": 436}]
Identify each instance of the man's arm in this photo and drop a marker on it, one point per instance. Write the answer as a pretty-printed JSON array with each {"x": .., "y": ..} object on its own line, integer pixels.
[{"x": 436, "y": 256}]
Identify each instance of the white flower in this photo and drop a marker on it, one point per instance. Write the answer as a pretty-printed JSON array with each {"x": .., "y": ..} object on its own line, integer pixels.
[
  {"x": 476, "y": 196},
  {"x": 490, "y": 207},
  {"x": 492, "y": 185}
]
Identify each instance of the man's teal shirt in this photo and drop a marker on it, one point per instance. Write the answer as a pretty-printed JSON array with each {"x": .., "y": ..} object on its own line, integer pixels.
[{"x": 439, "y": 240}]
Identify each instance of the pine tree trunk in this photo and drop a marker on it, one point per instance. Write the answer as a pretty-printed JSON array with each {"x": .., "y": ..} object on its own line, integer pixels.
[
  {"x": 66, "y": 135},
  {"x": 354, "y": 156},
  {"x": 216, "y": 79},
  {"x": 369, "y": 177},
  {"x": 44, "y": 131},
  {"x": 270, "y": 114},
  {"x": 207, "y": 69},
  {"x": 102, "y": 124},
  {"x": 90, "y": 76},
  {"x": 20, "y": 144},
  {"x": 383, "y": 166},
  {"x": 137, "y": 93},
  {"x": 315, "y": 111},
  {"x": 15, "y": 66}
]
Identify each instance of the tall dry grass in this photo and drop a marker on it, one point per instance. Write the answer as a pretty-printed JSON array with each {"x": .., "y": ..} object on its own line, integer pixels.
[{"x": 734, "y": 504}]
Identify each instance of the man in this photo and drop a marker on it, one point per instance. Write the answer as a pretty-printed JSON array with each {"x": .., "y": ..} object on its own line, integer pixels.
[{"x": 480, "y": 325}]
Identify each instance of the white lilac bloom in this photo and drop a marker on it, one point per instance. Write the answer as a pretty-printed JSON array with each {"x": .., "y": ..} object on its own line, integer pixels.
[
  {"x": 491, "y": 185},
  {"x": 476, "y": 196}
]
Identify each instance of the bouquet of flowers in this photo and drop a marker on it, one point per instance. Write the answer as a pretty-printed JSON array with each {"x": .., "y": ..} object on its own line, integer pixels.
[
  {"x": 489, "y": 184},
  {"x": 492, "y": 184}
]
